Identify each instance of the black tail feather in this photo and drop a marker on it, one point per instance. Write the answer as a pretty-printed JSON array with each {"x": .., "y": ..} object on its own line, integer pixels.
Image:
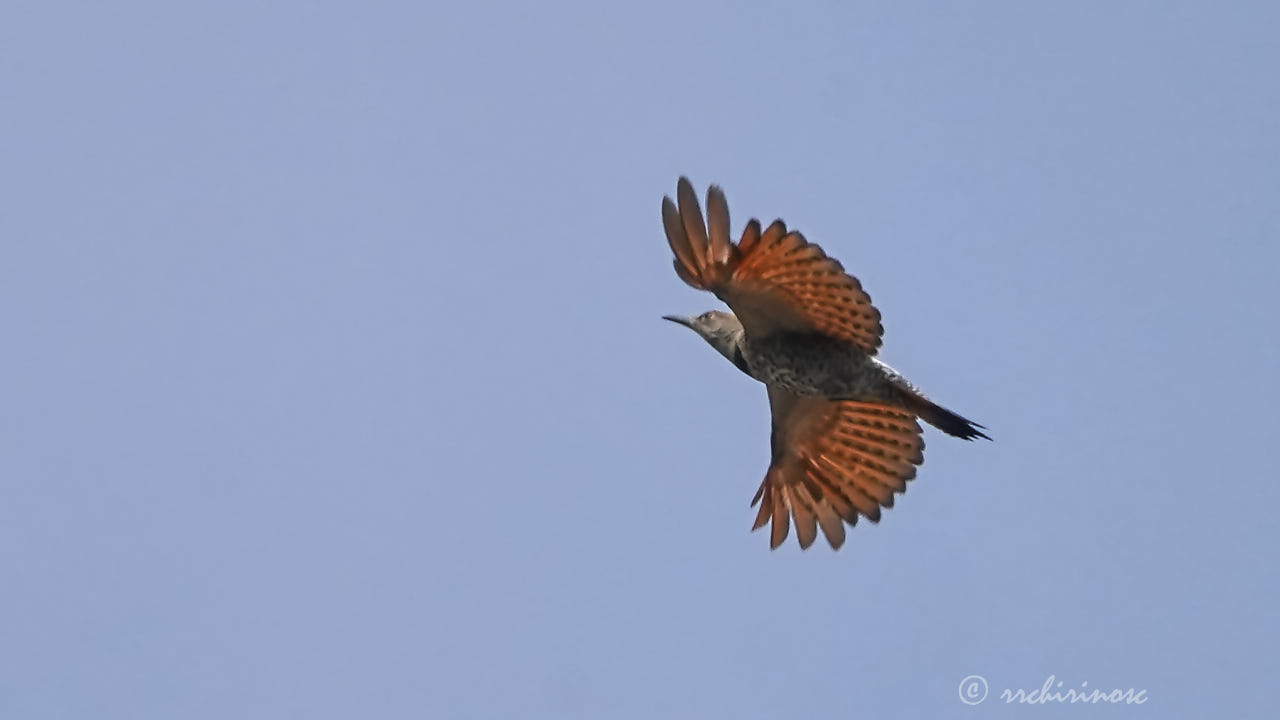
[{"x": 945, "y": 420}]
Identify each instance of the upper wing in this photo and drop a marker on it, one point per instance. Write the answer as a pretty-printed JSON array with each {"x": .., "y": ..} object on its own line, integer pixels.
[
  {"x": 775, "y": 280},
  {"x": 832, "y": 461}
]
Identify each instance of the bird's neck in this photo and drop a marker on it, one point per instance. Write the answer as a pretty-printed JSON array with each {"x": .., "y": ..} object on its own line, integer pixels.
[{"x": 731, "y": 346}]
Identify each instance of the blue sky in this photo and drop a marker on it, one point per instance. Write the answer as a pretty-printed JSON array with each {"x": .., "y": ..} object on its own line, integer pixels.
[{"x": 334, "y": 383}]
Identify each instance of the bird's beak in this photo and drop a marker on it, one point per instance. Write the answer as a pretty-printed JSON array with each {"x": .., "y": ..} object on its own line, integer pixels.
[{"x": 679, "y": 320}]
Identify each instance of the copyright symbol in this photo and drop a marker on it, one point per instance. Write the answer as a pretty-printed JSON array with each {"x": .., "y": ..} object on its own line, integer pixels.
[{"x": 973, "y": 690}]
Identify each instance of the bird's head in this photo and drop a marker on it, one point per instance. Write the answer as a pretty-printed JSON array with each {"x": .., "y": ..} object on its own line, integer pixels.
[{"x": 721, "y": 329}]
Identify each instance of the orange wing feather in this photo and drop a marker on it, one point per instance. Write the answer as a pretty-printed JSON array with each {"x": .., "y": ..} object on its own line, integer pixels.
[
  {"x": 833, "y": 461},
  {"x": 772, "y": 280}
]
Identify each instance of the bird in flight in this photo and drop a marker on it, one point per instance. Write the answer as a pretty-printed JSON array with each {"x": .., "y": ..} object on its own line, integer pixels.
[{"x": 845, "y": 434}]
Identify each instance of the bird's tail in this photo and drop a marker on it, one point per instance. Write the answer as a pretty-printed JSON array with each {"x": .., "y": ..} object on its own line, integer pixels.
[{"x": 943, "y": 419}]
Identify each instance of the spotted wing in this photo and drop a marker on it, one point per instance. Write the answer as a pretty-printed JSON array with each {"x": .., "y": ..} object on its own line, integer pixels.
[
  {"x": 833, "y": 461},
  {"x": 772, "y": 280}
]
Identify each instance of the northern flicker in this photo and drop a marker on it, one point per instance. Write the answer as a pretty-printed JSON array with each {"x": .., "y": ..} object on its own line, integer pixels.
[{"x": 845, "y": 434}]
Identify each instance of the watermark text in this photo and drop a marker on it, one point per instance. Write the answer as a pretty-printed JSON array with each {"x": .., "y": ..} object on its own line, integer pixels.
[{"x": 974, "y": 690}]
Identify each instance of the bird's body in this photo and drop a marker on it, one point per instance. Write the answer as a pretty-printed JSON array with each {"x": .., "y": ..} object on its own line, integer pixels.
[
  {"x": 816, "y": 365},
  {"x": 844, "y": 438}
]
